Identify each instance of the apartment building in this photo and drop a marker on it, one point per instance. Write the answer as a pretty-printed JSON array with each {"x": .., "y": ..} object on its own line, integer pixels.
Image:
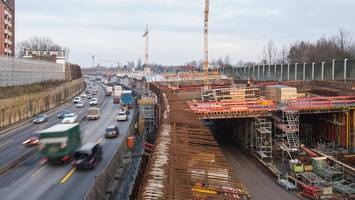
[{"x": 7, "y": 27}]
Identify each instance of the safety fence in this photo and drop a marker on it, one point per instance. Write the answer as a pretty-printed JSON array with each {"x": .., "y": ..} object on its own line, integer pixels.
[
  {"x": 327, "y": 70},
  {"x": 15, "y": 109}
]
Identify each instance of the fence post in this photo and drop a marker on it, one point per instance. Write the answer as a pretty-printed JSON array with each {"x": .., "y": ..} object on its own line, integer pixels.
[
  {"x": 288, "y": 71},
  {"x": 333, "y": 67},
  {"x": 296, "y": 71},
  {"x": 313, "y": 63},
  {"x": 345, "y": 65},
  {"x": 264, "y": 71},
  {"x": 258, "y": 72},
  {"x": 282, "y": 65},
  {"x": 322, "y": 71},
  {"x": 304, "y": 71},
  {"x": 269, "y": 72}
]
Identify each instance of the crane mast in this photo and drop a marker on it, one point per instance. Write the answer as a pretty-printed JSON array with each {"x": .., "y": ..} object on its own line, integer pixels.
[
  {"x": 146, "y": 55},
  {"x": 205, "y": 60}
]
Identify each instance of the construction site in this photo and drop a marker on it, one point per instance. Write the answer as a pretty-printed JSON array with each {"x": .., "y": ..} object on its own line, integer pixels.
[{"x": 258, "y": 132}]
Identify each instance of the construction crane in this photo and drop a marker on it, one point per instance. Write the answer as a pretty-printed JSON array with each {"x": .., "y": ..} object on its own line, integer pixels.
[
  {"x": 146, "y": 56},
  {"x": 205, "y": 60}
]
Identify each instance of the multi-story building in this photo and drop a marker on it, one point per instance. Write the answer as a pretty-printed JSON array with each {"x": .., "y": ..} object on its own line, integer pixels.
[
  {"x": 56, "y": 56},
  {"x": 7, "y": 27}
]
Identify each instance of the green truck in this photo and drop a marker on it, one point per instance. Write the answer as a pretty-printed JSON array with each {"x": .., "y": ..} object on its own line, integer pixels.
[{"x": 58, "y": 143}]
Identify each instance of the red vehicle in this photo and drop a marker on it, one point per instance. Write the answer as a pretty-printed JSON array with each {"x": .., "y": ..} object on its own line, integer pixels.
[
  {"x": 312, "y": 192},
  {"x": 116, "y": 100},
  {"x": 31, "y": 141}
]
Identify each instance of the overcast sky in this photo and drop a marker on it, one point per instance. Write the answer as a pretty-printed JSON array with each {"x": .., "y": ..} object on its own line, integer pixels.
[{"x": 113, "y": 29}]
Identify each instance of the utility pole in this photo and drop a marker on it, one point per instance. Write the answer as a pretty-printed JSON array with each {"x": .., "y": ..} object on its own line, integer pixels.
[
  {"x": 205, "y": 61},
  {"x": 93, "y": 60},
  {"x": 146, "y": 56}
]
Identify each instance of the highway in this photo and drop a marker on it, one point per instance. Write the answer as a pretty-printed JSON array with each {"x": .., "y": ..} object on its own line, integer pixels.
[
  {"x": 33, "y": 180},
  {"x": 259, "y": 184}
]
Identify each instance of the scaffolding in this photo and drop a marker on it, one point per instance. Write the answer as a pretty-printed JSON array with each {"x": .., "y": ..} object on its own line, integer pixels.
[
  {"x": 287, "y": 135},
  {"x": 263, "y": 138}
]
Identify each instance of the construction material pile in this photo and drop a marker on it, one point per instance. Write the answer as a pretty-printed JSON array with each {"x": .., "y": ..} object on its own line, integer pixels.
[
  {"x": 230, "y": 94},
  {"x": 187, "y": 162},
  {"x": 280, "y": 93}
]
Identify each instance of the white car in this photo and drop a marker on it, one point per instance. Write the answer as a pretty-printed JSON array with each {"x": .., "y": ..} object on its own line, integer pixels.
[
  {"x": 93, "y": 102},
  {"x": 80, "y": 104},
  {"x": 83, "y": 95},
  {"x": 122, "y": 116},
  {"x": 70, "y": 118},
  {"x": 76, "y": 100}
]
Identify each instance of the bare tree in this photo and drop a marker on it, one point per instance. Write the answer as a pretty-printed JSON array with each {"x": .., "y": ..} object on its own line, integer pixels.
[
  {"x": 38, "y": 43},
  {"x": 270, "y": 53}
]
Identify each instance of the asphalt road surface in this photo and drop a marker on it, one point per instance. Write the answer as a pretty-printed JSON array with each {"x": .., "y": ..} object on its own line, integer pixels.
[{"x": 33, "y": 180}]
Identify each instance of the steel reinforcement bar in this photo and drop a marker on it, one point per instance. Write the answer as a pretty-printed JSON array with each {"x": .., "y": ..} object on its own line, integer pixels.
[{"x": 186, "y": 162}]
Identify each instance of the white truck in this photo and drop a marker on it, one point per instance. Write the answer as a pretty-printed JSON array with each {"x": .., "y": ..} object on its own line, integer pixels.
[
  {"x": 117, "y": 91},
  {"x": 93, "y": 113},
  {"x": 109, "y": 90}
]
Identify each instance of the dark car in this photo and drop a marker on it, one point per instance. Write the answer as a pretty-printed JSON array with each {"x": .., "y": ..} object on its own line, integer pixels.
[
  {"x": 62, "y": 113},
  {"x": 90, "y": 97},
  {"x": 87, "y": 91},
  {"x": 40, "y": 119},
  {"x": 111, "y": 132},
  {"x": 88, "y": 156}
]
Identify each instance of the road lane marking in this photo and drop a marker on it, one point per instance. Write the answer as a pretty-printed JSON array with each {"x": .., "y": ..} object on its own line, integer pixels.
[
  {"x": 68, "y": 175},
  {"x": 6, "y": 143},
  {"x": 39, "y": 170}
]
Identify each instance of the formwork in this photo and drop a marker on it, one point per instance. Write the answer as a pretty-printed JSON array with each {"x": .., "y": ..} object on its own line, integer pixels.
[{"x": 187, "y": 162}]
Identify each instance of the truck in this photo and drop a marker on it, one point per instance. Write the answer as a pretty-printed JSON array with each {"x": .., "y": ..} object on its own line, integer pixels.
[
  {"x": 108, "y": 90},
  {"x": 93, "y": 113},
  {"x": 58, "y": 143},
  {"x": 117, "y": 91},
  {"x": 127, "y": 99}
]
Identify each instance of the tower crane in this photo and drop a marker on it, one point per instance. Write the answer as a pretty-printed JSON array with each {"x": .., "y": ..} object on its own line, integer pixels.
[
  {"x": 205, "y": 60},
  {"x": 146, "y": 55}
]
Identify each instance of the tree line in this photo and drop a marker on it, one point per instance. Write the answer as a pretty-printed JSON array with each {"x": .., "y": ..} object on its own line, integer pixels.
[{"x": 339, "y": 47}]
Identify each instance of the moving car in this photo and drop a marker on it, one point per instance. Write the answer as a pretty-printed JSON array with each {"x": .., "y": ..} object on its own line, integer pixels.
[
  {"x": 33, "y": 140},
  {"x": 77, "y": 100},
  {"x": 111, "y": 132},
  {"x": 80, "y": 104},
  {"x": 83, "y": 95},
  {"x": 62, "y": 113},
  {"x": 122, "y": 116},
  {"x": 40, "y": 119},
  {"x": 70, "y": 118},
  {"x": 93, "y": 113},
  {"x": 93, "y": 102},
  {"x": 88, "y": 156},
  {"x": 90, "y": 97},
  {"x": 87, "y": 92}
]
